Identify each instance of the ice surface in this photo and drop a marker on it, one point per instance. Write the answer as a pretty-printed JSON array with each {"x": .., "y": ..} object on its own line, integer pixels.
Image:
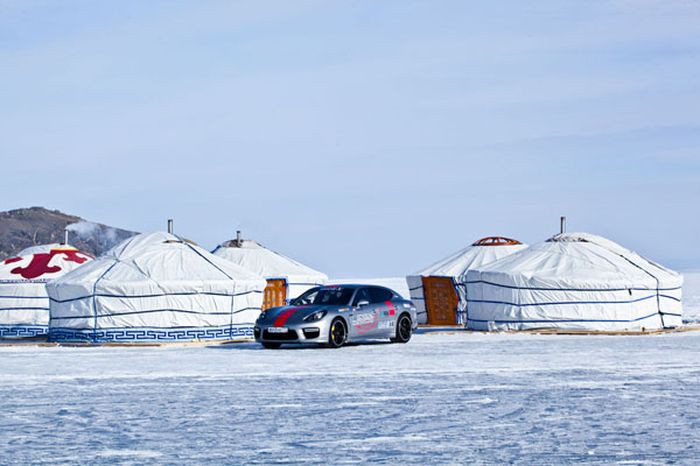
[{"x": 442, "y": 398}]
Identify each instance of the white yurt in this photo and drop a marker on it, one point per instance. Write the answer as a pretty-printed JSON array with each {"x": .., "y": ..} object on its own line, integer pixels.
[
  {"x": 155, "y": 287},
  {"x": 24, "y": 304},
  {"x": 439, "y": 291},
  {"x": 574, "y": 281},
  {"x": 286, "y": 278}
]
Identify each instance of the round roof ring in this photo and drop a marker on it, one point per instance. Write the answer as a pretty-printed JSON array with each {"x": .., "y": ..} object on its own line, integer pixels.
[{"x": 496, "y": 241}]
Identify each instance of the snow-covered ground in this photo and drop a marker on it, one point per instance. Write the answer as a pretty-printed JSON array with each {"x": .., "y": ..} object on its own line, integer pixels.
[
  {"x": 453, "y": 397},
  {"x": 442, "y": 398}
]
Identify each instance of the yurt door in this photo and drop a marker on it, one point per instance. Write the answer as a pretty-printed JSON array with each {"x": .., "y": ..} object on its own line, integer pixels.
[
  {"x": 275, "y": 294},
  {"x": 440, "y": 300}
]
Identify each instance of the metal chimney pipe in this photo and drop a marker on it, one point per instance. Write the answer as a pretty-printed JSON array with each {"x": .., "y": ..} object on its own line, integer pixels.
[
  {"x": 239, "y": 238},
  {"x": 170, "y": 226},
  {"x": 562, "y": 224},
  {"x": 65, "y": 236}
]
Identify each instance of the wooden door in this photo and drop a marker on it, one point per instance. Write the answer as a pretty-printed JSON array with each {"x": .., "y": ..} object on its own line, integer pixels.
[
  {"x": 441, "y": 300},
  {"x": 275, "y": 294}
]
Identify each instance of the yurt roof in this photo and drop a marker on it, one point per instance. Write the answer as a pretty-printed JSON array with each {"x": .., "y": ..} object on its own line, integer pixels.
[
  {"x": 157, "y": 258},
  {"x": 42, "y": 262},
  {"x": 581, "y": 260},
  {"x": 483, "y": 251},
  {"x": 265, "y": 262}
]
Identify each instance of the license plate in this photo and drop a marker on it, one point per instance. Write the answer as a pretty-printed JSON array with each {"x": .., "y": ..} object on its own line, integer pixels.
[{"x": 278, "y": 329}]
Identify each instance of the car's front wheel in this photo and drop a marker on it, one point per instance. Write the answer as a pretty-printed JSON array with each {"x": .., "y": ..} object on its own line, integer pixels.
[
  {"x": 404, "y": 330},
  {"x": 337, "y": 334},
  {"x": 268, "y": 345}
]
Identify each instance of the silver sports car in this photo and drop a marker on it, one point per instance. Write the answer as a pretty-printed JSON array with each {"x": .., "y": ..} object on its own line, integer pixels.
[{"x": 336, "y": 314}]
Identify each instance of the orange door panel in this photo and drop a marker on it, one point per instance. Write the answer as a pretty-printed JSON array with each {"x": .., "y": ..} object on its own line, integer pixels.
[
  {"x": 275, "y": 294},
  {"x": 441, "y": 300}
]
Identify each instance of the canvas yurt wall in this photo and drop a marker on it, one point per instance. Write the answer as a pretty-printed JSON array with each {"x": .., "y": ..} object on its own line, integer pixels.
[
  {"x": 155, "y": 288},
  {"x": 576, "y": 281},
  {"x": 439, "y": 291},
  {"x": 286, "y": 278},
  {"x": 24, "y": 303}
]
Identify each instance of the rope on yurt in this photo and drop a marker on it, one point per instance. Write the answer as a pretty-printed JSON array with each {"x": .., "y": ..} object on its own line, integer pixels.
[
  {"x": 658, "y": 282},
  {"x": 230, "y": 327},
  {"x": 457, "y": 286},
  {"x": 94, "y": 290},
  {"x": 208, "y": 261},
  {"x": 94, "y": 300}
]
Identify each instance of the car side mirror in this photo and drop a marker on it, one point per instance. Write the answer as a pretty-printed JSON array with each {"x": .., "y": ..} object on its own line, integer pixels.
[{"x": 363, "y": 303}]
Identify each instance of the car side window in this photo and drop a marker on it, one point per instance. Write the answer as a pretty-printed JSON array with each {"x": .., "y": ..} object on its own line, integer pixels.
[
  {"x": 380, "y": 295},
  {"x": 307, "y": 297},
  {"x": 361, "y": 295}
]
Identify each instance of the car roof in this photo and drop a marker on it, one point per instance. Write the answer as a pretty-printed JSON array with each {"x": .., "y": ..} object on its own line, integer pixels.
[
  {"x": 354, "y": 286},
  {"x": 343, "y": 285}
]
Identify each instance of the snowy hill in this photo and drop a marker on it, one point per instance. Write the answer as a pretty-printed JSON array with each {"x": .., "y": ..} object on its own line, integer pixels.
[{"x": 22, "y": 228}]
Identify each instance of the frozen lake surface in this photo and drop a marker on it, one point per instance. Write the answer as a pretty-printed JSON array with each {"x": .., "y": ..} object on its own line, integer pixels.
[{"x": 442, "y": 398}]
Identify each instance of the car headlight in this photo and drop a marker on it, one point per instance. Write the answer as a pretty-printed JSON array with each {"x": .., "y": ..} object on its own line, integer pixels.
[
  {"x": 318, "y": 315},
  {"x": 263, "y": 315}
]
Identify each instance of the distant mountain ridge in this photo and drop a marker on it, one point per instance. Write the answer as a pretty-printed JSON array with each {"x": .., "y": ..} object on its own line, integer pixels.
[{"x": 22, "y": 228}]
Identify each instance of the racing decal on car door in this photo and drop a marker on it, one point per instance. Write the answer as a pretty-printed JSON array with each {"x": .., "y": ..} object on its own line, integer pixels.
[
  {"x": 391, "y": 311},
  {"x": 365, "y": 322}
]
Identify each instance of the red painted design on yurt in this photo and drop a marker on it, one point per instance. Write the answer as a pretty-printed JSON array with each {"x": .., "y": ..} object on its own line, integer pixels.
[
  {"x": 496, "y": 241},
  {"x": 39, "y": 264}
]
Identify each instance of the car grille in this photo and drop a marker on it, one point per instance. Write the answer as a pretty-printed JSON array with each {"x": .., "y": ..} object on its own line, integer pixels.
[
  {"x": 310, "y": 333},
  {"x": 290, "y": 335}
]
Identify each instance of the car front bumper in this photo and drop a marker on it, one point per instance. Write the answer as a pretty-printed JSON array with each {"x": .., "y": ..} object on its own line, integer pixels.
[{"x": 312, "y": 332}]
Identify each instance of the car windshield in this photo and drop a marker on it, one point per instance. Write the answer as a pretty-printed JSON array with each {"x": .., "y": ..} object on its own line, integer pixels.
[{"x": 332, "y": 296}]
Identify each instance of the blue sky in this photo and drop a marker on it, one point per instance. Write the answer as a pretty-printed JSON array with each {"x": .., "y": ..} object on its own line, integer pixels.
[{"x": 365, "y": 138}]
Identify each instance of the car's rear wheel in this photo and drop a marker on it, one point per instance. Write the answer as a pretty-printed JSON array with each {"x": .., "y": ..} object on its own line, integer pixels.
[
  {"x": 268, "y": 345},
  {"x": 404, "y": 329},
  {"x": 337, "y": 334}
]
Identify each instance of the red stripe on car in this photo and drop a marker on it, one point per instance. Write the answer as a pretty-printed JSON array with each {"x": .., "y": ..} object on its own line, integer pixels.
[
  {"x": 284, "y": 316},
  {"x": 392, "y": 309}
]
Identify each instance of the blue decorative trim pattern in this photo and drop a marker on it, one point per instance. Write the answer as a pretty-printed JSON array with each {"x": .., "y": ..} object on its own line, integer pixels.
[
  {"x": 21, "y": 281},
  {"x": 23, "y": 331},
  {"x": 149, "y": 334}
]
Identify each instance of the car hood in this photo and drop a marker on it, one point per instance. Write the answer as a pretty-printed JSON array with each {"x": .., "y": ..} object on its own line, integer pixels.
[{"x": 279, "y": 316}]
